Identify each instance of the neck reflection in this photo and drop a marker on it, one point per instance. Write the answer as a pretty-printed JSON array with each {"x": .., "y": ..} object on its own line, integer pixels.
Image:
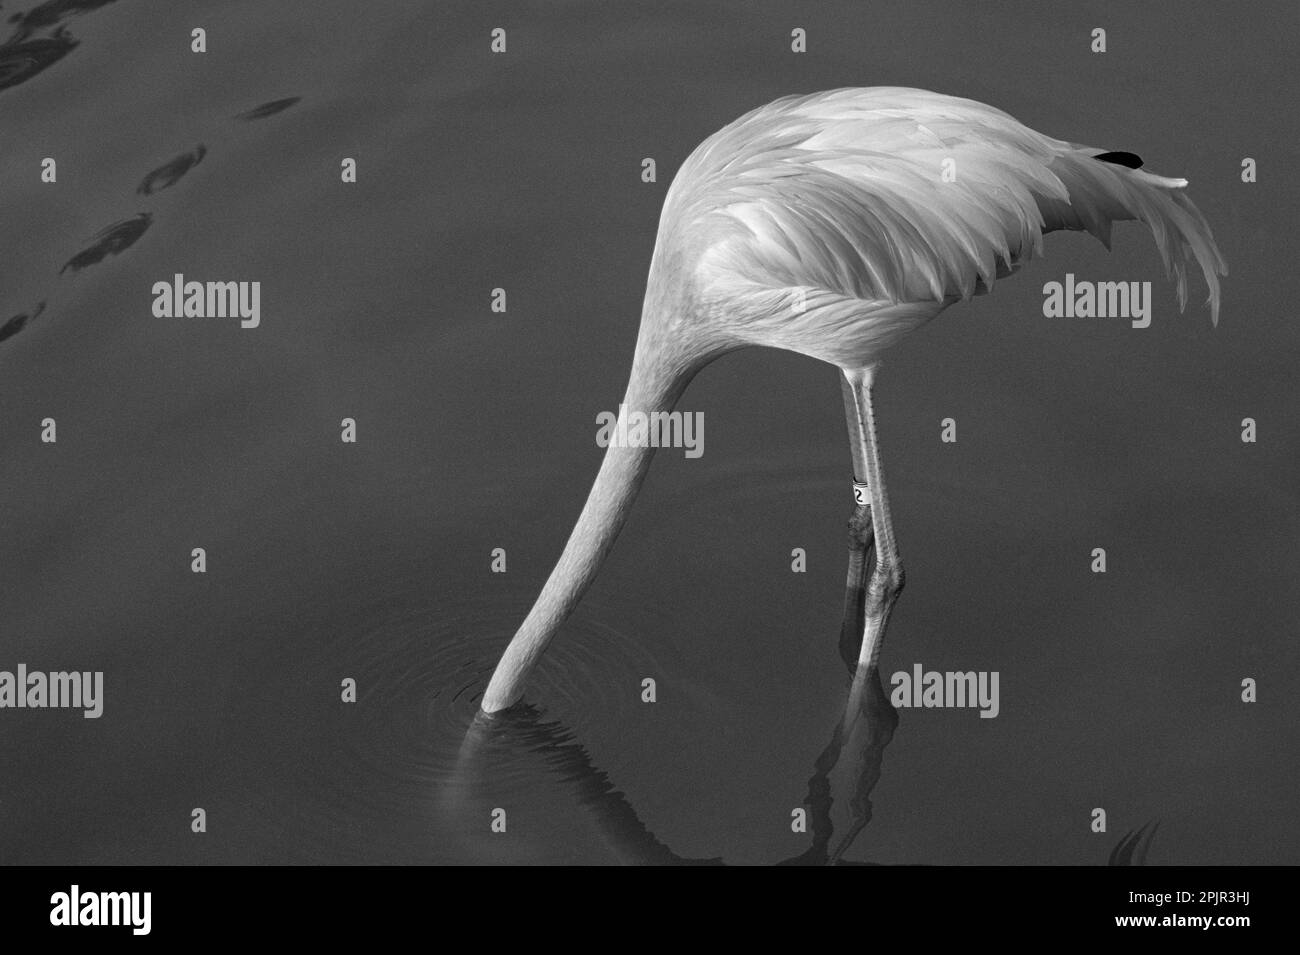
[{"x": 838, "y": 800}]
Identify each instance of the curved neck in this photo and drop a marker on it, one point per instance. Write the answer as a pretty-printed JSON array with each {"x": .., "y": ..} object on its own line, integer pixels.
[{"x": 655, "y": 385}]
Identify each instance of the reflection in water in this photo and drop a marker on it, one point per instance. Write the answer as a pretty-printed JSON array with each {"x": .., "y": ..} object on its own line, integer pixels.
[
  {"x": 1133, "y": 848},
  {"x": 859, "y": 739},
  {"x": 19, "y": 322},
  {"x": 116, "y": 238},
  {"x": 503, "y": 738},
  {"x": 861, "y": 736},
  {"x": 353, "y": 783},
  {"x": 864, "y": 729},
  {"x": 866, "y": 725},
  {"x": 268, "y": 109},
  {"x": 839, "y": 791},
  {"x": 522, "y": 730},
  {"x": 169, "y": 174}
]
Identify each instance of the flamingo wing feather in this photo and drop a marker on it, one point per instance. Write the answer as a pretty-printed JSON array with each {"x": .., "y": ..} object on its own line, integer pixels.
[{"x": 902, "y": 196}]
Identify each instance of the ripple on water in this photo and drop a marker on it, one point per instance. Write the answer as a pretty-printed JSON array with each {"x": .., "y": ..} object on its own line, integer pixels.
[
  {"x": 169, "y": 173},
  {"x": 397, "y": 776},
  {"x": 24, "y": 54},
  {"x": 268, "y": 109},
  {"x": 112, "y": 240},
  {"x": 16, "y": 324},
  {"x": 20, "y": 61}
]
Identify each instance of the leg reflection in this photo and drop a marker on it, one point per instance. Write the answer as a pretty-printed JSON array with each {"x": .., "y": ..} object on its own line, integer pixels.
[{"x": 860, "y": 738}]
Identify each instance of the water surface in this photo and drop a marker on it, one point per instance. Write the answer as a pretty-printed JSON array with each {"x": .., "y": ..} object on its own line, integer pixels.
[{"x": 372, "y": 561}]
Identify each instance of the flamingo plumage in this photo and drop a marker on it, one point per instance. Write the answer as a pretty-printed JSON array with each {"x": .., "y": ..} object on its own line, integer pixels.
[{"x": 824, "y": 224}]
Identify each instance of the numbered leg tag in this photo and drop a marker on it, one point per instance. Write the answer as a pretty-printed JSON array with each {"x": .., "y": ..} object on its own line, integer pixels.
[{"x": 861, "y": 494}]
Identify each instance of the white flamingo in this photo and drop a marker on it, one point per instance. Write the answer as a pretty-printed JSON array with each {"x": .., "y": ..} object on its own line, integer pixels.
[{"x": 823, "y": 224}]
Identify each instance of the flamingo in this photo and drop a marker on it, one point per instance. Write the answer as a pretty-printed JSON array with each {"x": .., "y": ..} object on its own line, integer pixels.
[{"x": 824, "y": 224}]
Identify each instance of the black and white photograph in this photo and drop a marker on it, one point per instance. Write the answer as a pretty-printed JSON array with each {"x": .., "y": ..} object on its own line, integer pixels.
[{"x": 567, "y": 433}]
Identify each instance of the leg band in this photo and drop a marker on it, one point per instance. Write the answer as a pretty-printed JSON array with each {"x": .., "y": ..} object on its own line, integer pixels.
[{"x": 861, "y": 493}]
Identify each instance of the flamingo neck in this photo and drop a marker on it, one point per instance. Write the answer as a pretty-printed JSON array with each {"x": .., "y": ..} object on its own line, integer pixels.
[{"x": 654, "y": 385}]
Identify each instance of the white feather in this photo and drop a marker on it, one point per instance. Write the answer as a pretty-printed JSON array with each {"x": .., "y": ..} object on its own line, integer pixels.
[{"x": 841, "y": 194}]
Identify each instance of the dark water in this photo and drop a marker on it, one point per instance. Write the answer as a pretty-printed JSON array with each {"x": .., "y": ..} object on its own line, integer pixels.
[{"x": 372, "y": 561}]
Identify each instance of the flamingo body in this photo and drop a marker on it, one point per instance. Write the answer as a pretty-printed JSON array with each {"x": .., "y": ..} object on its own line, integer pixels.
[{"x": 831, "y": 225}]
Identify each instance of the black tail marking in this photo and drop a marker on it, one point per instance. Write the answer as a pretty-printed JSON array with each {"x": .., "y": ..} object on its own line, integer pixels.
[{"x": 1131, "y": 160}]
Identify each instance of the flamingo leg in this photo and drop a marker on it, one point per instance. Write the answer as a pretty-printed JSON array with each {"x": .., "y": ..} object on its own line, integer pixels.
[
  {"x": 861, "y": 536},
  {"x": 886, "y": 580}
]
